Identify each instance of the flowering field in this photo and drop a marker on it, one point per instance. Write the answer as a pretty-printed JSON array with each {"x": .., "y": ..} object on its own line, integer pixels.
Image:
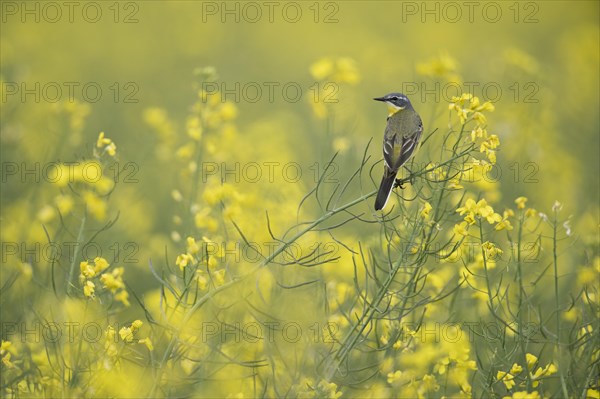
[{"x": 188, "y": 189}]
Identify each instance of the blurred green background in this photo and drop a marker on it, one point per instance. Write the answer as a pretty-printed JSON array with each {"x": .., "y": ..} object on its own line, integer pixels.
[{"x": 387, "y": 39}]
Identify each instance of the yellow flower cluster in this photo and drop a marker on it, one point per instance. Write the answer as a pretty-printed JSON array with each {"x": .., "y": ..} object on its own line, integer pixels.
[
  {"x": 509, "y": 378},
  {"x": 195, "y": 257},
  {"x": 5, "y": 355},
  {"x": 106, "y": 145},
  {"x": 443, "y": 66},
  {"x": 491, "y": 250},
  {"x": 126, "y": 335},
  {"x": 113, "y": 281},
  {"x": 438, "y": 174},
  {"x": 340, "y": 70},
  {"x": 96, "y": 185},
  {"x": 420, "y": 362},
  {"x": 478, "y": 210},
  {"x": 469, "y": 107}
]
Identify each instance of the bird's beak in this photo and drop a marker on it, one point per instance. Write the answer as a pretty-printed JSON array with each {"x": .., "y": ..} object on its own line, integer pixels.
[{"x": 379, "y": 99}]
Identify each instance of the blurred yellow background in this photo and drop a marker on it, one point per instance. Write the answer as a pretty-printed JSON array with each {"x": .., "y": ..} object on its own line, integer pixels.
[{"x": 289, "y": 84}]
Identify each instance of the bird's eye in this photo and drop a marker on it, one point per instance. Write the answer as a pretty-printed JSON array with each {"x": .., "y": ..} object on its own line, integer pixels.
[{"x": 395, "y": 98}]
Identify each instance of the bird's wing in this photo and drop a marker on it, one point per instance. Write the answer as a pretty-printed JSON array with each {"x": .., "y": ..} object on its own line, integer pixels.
[
  {"x": 408, "y": 146},
  {"x": 390, "y": 151}
]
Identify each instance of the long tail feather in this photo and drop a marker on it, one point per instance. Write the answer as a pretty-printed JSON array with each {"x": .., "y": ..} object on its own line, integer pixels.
[{"x": 385, "y": 189}]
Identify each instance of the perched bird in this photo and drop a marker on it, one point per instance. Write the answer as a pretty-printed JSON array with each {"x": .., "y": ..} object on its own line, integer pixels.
[{"x": 402, "y": 135}]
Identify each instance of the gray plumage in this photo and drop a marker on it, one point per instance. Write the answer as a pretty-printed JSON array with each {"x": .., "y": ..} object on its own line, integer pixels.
[{"x": 401, "y": 139}]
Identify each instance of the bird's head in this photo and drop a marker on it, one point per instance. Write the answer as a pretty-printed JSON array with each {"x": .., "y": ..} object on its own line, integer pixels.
[{"x": 397, "y": 101}]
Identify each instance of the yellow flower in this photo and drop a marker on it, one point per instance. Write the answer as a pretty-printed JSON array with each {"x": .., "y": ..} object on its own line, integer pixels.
[
  {"x": 176, "y": 195},
  {"x": 342, "y": 70},
  {"x": 126, "y": 334},
  {"x": 158, "y": 119},
  {"x": 102, "y": 141},
  {"x": 516, "y": 369},
  {"x": 474, "y": 107},
  {"x": 113, "y": 281},
  {"x": 481, "y": 209},
  {"x": 111, "y": 149},
  {"x": 469, "y": 207},
  {"x": 426, "y": 210},
  {"x": 531, "y": 360},
  {"x": 480, "y": 118},
  {"x": 435, "y": 173},
  {"x": 504, "y": 224},
  {"x": 148, "y": 343},
  {"x": 192, "y": 246},
  {"x": 88, "y": 289},
  {"x": 194, "y": 128},
  {"x": 202, "y": 280},
  {"x": 506, "y": 378},
  {"x": 228, "y": 111},
  {"x": 521, "y": 202},
  {"x": 95, "y": 205},
  {"x": 524, "y": 395},
  {"x": 186, "y": 151},
  {"x": 46, "y": 214},
  {"x": 491, "y": 250},
  {"x": 393, "y": 377},
  {"x": 219, "y": 277},
  {"x": 4, "y": 347},
  {"x": 137, "y": 324},
  {"x": 493, "y": 141},
  {"x": 86, "y": 269},
  {"x": 123, "y": 297},
  {"x": 593, "y": 393},
  {"x": 321, "y": 69},
  {"x": 461, "y": 229},
  {"x": 109, "y": 146},
  {"x": 6, "y": 355},
  {"x": 479, "y": 132},
  {"x": 183, "y": 260},
  {"x": 64, "y": 203},
  {"x": 346, "y": 71},
  {"x": 541, "y": 372},
  {"x": 100, "y": 264}
]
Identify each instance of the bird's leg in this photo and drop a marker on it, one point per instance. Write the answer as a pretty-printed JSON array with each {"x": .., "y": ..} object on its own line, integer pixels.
[
  {"x": 400, "y": 183},
  {"x": 409, "y": 179}
]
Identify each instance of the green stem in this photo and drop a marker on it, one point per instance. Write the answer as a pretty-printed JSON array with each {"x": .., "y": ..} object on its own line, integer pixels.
[{"x": 70, "y": 284}]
